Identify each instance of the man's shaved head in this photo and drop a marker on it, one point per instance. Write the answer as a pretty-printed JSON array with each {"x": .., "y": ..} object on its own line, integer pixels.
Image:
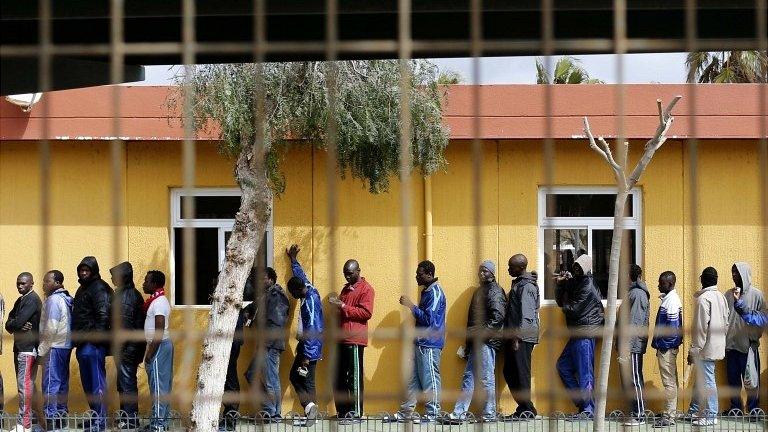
[
  {"x": 352, "y": 271},
  {"x": 517, "y": 265}
]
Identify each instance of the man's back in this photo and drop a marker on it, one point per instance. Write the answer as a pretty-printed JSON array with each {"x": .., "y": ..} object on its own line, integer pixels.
[{"x": 710, "y": 324}]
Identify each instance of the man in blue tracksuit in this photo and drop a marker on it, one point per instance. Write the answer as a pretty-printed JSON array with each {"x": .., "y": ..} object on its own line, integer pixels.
[
  {"x": 578, "y": 297},
  {"x": 430, "y": 327},
  {"x": 667, "y": 338},
  {"x": 310, "y": 335},
  {"x": 55, "y": 348}
]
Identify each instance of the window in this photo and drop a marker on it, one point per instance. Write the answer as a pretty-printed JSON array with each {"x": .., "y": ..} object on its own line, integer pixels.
[
  {"x": 578, "y": 220},
  {"x": 213, "y": 219}
]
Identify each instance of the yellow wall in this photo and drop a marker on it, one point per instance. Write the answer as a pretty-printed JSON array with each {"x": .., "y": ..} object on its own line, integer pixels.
[{"x": 370, "y": 229}]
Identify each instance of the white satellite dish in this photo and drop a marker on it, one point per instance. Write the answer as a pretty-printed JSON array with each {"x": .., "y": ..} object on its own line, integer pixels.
[{"x": 25, "y": 101}]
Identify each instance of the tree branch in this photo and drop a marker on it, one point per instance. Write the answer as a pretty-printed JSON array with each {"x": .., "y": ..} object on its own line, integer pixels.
[
  {"x": 653, "y": 144},
  {"x": 605, "y": 152}
]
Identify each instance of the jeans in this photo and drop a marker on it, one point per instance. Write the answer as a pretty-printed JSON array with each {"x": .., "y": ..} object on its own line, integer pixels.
[
  {"x": 486, "y": 370},
  {"x": 425, "y": 379},
  {"x": 160, "y": 380},
  {"x": 26, "y": 369},
  {"x": 736, "y": 365},
  {"x": 576, "y": 367},
  {"x": 56, "y": 382},
  {"x": 270, "y": 380},
  {"x": 704, "y": 388},
  {"x": 128, "y": 388},
  {"x": 93, "y": 375}
]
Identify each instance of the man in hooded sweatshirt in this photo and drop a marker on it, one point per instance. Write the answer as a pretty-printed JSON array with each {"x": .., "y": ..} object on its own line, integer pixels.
[
  {"x": 90, "y": 327},
  {"x": 485, "y": 319},
  {"x": 710, "y": 321},
  {"x": 579, "y": 298},
  {"x": 631, "y": 356},
  {"x": 129, "y": 303},
  {"x": 742, "y": 341},
  {"x": 55, "y": 348},
  {"x": 523, "y": 319},
  {"x": 24, "y": 323}
]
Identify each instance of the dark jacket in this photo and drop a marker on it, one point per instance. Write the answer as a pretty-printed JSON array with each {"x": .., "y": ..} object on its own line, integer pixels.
[
  {"x": 26, "y": 309},
  {"x": 486, "y": 314},
  {"x": 91, "y": 308},
  {"x": 580, "y": 302},
  {"x": 275, "y": 316},
  {"x": 638, "y": 319},
  {"x": 131, "y": 308},
  {"x": 523, "y": 308}
]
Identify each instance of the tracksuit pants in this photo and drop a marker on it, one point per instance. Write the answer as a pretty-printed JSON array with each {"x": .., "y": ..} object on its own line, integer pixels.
[
  {"x": 487, "y": 378},
  {"x": 128, "y": 390},
  {"x": 349, "y": 381},
  {"x": 633, "y": 381},
  {"x": 93, "y": 375},
  {"x": 517, "y": 374},
  {"x": 56, "y": 383},
  {"x": 232, "y": 382},
  {"x": 735, "y": 366},
  {"x": 26, "y": 369},
  {"x": 425, "y": 380},
  {"x": 270, "y": 380},
  {"x": 576, "y": 367},
  {"x": 304, "y": 386},
  {"x": 160, "y": 380}
]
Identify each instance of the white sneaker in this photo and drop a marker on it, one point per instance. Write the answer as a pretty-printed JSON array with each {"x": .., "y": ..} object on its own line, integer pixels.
[
  {"x": 634, "y": 422},
  {"x": 311, "y": 412},
  {"x": 702, "y": 421},
  {"x": 21, "y": 428}
]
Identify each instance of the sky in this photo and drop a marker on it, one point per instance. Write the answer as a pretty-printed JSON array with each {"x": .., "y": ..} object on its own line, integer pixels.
[{"x": 668, "y": 68}]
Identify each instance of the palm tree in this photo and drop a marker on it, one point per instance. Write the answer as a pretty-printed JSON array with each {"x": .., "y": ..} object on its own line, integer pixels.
[
  {"x": 727, "y": 67},
  {"x": 568, "y": 70}
]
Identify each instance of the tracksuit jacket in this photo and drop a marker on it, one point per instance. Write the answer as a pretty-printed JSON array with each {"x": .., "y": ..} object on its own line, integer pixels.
[
  {"x": 669, "y": 317},
  {"x": 311, "y": 310},
  {"x": 430, "y": 316},
  {"x": 56, "y": 322}
]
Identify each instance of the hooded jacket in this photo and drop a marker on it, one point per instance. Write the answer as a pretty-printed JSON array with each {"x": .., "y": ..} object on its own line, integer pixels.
[
  {"x": 669, "y": 318},
  {"x": 130, "y": 303},
  {"x": 275, "y": 316},
  {"x": 638, "y": 302},
  {"x": 523, "y": 308},
  {"x": 56, "y": 322},
  {"x": 710, "y": 321},
  {"x": 26, "y": 309},
  {"x": 430, "y": 316},
  {"x": 579, "y": 298},
  {"x": 91, "y": 306},
  {"x": 486, "y": 314},
  {"x": 311, "y": 311},
  {"x": 741, "y": 335}
]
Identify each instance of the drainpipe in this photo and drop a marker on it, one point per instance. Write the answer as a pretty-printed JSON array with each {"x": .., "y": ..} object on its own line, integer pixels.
[{"x": 428, "y": 218}]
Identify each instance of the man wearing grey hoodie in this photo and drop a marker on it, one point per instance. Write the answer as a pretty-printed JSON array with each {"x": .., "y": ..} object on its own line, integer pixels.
[
  {"x": 710, "y": 321},
  {"x": 631, "y": 354},
  {"x": 742, "y": 339}
]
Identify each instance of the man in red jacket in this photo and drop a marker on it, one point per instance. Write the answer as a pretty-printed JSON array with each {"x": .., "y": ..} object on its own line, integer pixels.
[{"x": 355, "y": 305}]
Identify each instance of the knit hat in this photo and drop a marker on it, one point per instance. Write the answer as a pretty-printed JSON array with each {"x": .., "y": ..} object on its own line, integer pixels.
[
  {"x": 489, "y": 265},
  {"x": 709, "y": 277}
]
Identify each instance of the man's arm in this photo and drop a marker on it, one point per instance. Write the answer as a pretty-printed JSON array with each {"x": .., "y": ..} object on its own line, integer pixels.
[
  {"x": 497, "y": 309},
  {"x": 530, "y": 306},
  {"x": 157, "y": 337},
  {"x": 298, "y": 271},
  {"x": 699, "y": 331},
  {"x": 424, "y": 313},
  {"x": 753, "y": 318},
  {"x": 22, "y": 316}
]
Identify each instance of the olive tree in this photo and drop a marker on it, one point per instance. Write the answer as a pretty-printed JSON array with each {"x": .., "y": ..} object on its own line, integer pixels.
[
  {"x": 625, "y": 181},
  {"x": 261, "y": 110}
]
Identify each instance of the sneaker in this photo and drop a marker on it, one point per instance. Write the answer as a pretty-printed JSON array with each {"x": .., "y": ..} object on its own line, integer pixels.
[
  {"x": 311, "y": 412},
  {"x": 21, "y": 428},
  {"x": 402, "y": 417},
  {"x": 451, "y": 419},
  {"x": 634, "y": 421},
  {"x": 350, "y": 421},
  {"x": 488, "y": 419},
  {"x": 300, "y": 422},
  {"x": 582, "y": 416},
  {"x": 703, "y": 421},
  {"x": 663, "y": 422},
  {"x": 126, "y": 425},
  {"x": 733, "y": 412}
]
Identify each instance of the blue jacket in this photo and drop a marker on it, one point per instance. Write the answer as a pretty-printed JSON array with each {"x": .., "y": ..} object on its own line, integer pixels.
[
  {"x": 753, "y": 318},
  {"x": 668, "y": 319},
  {"x": 430, "y": 316},
  {"x": 311, "y": 310}
]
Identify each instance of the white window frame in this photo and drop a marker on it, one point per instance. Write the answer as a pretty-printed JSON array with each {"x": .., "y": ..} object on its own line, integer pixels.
[
  {"x": 224, "y": 225},
  {"x": 589, "y": 223}
]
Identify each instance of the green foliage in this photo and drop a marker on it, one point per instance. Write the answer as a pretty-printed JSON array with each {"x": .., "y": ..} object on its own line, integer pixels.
[
  {"x": 297, "y": 110},
  {"x": 450, "y": 78},
  {"x": 568, "y": 70},
  {"x": 727, "y": 67}
]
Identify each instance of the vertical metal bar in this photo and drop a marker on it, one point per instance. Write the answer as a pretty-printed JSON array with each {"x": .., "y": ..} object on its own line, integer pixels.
[
  {"x": 188, "y": 154},
  {"x": 761, "y": 16},
  {"x": 331, "y": 52},
  {"x": 44, "y": 148}
]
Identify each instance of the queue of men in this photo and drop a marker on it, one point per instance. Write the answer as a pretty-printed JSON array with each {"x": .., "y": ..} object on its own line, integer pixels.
[{"x": 498, "y": 322}]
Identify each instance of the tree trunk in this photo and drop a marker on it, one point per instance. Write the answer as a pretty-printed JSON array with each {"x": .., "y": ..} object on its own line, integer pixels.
[
  {"x": 250, "y": 226},
  {"x": 610, "y": 317}
]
